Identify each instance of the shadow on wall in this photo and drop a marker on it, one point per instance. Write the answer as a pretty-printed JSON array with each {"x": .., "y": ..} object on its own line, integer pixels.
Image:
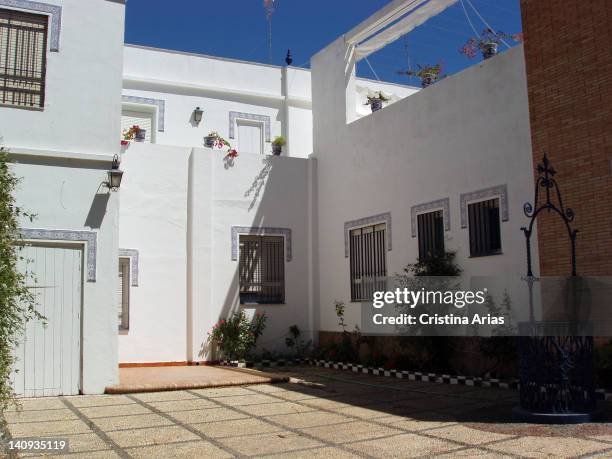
[
  {"x": 258, "y": 192},
  {"x": 97, "y": 211}
]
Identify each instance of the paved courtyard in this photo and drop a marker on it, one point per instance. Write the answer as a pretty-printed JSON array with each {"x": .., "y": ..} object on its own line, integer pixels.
[{"x": 331, "y": 413}]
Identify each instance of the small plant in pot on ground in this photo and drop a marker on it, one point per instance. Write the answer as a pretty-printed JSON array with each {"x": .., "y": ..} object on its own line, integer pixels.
[
  {"x": 277, "y": 145},
  {"x": 428, "y": 74},
  {"x": 375, "y": 101},
  {"x": 487, "y": 43},
  {"x": 237, "y": 335}
]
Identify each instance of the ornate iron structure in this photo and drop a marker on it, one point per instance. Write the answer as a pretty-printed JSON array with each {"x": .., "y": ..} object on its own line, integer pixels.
[{"x": 556, "y": 358}]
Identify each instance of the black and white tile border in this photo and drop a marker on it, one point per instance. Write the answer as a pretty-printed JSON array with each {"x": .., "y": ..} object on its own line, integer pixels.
[{"x": 409, "y": 375}]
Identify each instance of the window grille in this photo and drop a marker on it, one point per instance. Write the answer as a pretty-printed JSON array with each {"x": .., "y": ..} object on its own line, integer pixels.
[
  {"x": 23, "y": 55},
  {"x": 431, "y": 234},
  {"x": 262, "y": 269},
  {"x": 485, "y": 231},
  {"x": 123, "y": 294},
  {"x": 368, "y": 260}
]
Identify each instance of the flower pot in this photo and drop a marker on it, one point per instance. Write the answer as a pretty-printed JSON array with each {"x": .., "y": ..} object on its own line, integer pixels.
[
  {"x": 376, "y": 104},
  {"x": 489, "y": 50},
  {"x": 277, "y": 149},
  {"x": 428, "y": 79},
  {"x": 140, "y": 135},
  {"x": 209, "y": 141}
]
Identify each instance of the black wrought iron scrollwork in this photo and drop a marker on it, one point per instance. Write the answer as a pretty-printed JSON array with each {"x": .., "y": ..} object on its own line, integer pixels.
[{"x": 556, "y": 372}]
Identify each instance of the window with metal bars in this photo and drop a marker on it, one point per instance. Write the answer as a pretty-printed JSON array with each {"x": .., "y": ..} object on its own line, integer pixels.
[
  {"x": 368, "y": 261},
  {"x": 23, "y": 58},
  {"x": 262, "y": 269},
  {"x": 123, "y": 293},
  {"x": 431, "y": 234},
  {"x": 485, "y": 230}
]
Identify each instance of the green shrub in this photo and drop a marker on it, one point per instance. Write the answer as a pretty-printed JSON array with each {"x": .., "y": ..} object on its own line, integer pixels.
[
  {"x": 294, "y": 343},
  {"x": 237, "y": 336},
  {"x": 17, "y": 302}
]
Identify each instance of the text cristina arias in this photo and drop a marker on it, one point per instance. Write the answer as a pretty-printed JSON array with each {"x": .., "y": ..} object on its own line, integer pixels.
[{"x": 412, "y": 298}]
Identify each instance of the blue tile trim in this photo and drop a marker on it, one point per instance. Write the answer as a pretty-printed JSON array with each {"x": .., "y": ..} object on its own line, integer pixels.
[
  {"x": 499, "y": 191},
  {"x": 53, "y": 10},
  {"x": 380, "y": 218},
  {"x": 236, "y": 230},
  {"x": 161, "y": 107},
  {"x": 132, "y": 254},
  {"x": 233, "y": 116},
  {"x": 89, "y": 237},
  {"x": 443, "y": 204}
]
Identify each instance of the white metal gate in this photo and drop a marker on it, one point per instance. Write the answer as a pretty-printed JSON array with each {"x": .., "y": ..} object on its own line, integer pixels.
[{"x": 49, "y": 357}]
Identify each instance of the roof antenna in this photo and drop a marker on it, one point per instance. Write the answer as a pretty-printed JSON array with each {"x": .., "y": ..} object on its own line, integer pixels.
[
  {"x": 270, "y": 7},
  {"x": 289, "y": 58}
]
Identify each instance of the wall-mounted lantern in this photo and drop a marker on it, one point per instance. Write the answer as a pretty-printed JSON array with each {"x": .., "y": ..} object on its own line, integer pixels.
[
  {"x": 197, "y": 115},
  {"x": 114, "y": 175}
]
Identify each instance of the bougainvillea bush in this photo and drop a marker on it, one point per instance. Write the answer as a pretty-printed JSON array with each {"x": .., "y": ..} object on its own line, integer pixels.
[
  {"x": 237, "y": 336},
  {"x": 17, "y": 301}
]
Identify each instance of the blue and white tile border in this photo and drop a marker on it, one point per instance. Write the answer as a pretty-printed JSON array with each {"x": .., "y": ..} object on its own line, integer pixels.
[
  {"x": 132, "y": 254},
  {"x": 440, "y": 204},
  {"x": 159, "y": 103},
  {"x": 233, "y": 116},
  {"x": 353, "y": 224},
  {"x": 54, "y": 11},
  {"x": 251, "y": 230},
  {"x": 88, "y": 237},
  {"x": 499, "y": 191}
]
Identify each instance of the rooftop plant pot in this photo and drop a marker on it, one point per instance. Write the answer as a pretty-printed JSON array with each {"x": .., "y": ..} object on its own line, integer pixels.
[
  {"x": 376, "y": 104},
  {"x": 140, "y": 135},
  {"x": 489, "y": 50},
  {"x": 428, "y": 79},
  {"x": 209, "y": 141},
  {"x": 277, "y": 149}
]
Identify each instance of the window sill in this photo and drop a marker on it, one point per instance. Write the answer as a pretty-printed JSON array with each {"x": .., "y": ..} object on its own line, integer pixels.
[{"x": 487, "y": 254}]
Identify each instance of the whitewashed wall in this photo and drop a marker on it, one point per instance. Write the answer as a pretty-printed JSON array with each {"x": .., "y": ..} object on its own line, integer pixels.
[
  {"x": 178, "y": 207},
  {"x": 466, "y": 133},
  {"x": 64, "y": 152}
]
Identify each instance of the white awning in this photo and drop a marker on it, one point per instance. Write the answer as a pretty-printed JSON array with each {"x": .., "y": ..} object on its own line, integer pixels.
[{"x": 414, "y": 13}]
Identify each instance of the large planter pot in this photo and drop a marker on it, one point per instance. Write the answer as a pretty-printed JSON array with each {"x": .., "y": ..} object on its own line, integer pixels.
[
  {"x": 489, "y": 50},
  {"x": 140, "y": 135},
  {"x": 209, "y": 141},
  {"x": 277, "y": 149},
  {"x": 376, "y": 104},
  {"x": 427, "y": 79}
]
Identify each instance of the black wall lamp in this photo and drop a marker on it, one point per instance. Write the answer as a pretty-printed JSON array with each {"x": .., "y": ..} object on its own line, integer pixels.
[
  {"x": 197, "y": 115},
  {"x": 114, "y": 175}
]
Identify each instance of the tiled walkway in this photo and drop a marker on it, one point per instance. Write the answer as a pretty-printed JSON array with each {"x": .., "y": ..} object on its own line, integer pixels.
[{"x": 333, "y": 414}]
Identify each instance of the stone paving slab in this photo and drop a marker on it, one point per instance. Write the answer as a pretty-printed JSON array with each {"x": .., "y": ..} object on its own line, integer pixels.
[{"x": 330, "y": 414}]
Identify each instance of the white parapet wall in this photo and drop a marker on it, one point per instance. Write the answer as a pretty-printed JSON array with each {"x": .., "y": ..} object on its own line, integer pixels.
[
  {"x": 178, "y": 208},
  {"x": 467, "y": 133}
]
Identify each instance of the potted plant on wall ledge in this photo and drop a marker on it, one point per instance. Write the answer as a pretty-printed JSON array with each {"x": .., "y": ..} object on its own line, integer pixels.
[
  {"x": 135, "y": 133},
  {"x": 214, "y": 140},
  {"x": 277, "y": 145},
  {"x": 428, "y": 74},
  {"x": 375, "y": 101},
  {"x": 487, "y": 43}
]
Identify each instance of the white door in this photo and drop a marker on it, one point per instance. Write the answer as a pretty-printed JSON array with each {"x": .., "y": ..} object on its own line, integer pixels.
[
  {"x": 250, "y": 139},
  {"x": 49, "y": 356}
]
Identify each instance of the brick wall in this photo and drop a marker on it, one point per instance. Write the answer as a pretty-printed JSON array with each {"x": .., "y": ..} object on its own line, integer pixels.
[{"x": 569, "y": 76}]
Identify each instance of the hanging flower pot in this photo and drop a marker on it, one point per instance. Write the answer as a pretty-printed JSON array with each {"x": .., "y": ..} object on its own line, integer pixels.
[
  {"x": 277, "y": 145},
  {"x": 428, "y": 79},
  {"x": 140, "y": 135},
  {"x": 209, "y": 141},
  {"x": 489, "y": 50},
  {"x": 376, "y": 100},
  {"x": 428, "y": 74}
]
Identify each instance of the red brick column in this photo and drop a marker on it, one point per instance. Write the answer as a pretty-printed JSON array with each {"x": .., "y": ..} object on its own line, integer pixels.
[{"x": 569, "y": 77}]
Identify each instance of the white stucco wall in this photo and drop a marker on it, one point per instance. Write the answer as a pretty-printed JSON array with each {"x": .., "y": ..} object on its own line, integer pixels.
[
  {"x": 178, "y": 207},
  {"x": 466, "y": 133}
]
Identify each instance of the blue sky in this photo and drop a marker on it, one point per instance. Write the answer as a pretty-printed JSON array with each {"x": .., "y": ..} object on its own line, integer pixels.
[{"x": 238, "y": 29}]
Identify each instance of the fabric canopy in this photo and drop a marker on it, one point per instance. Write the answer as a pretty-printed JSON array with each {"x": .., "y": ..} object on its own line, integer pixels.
[{"x": 421, "y": 13}]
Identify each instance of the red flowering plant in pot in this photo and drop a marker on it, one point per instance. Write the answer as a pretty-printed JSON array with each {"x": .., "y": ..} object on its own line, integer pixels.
[
  {"x": 133, "y": 133},
  {"x": 487, "y": 43},
  {"x": 428, "y": 74},
  {"x": 237, "y": 336}
]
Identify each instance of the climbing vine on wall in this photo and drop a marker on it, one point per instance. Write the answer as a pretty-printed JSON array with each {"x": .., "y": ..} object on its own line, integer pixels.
[{"x": 17, "y": 300}]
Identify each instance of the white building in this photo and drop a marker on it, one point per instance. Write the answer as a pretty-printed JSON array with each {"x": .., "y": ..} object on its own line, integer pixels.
[{"x": 190, "y": 221}]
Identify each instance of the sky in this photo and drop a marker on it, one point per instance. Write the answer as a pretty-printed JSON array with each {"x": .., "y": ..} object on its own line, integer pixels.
[{"x": 238, "y": 29}]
